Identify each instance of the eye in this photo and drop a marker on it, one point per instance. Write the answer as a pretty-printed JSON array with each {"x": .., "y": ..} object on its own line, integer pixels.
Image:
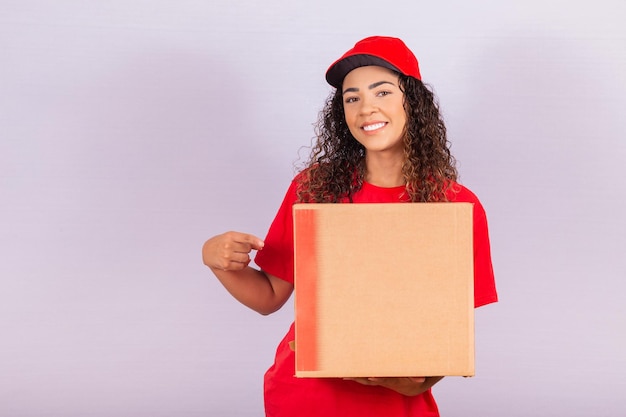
[
  {"x": 383, "y": 93},
  {"x": 349, "y": 100}
]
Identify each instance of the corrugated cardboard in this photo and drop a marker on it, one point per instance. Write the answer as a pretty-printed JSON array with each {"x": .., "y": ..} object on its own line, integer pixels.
[{"x": 384, "y": 290}]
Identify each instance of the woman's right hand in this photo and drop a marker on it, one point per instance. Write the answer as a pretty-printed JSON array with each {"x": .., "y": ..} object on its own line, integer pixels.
[
  {"x": 228, "y": 256},
  {"x": 230, "y": 251}
]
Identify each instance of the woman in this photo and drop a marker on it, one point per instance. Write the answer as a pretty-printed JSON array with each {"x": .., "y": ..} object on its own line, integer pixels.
[{"x": 380, "y": 138}]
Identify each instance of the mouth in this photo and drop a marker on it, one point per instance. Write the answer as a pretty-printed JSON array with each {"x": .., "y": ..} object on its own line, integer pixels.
[{"x": 374, "y": 126}]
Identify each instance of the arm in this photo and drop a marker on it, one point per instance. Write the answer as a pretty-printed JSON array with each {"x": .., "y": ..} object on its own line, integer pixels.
[
  {"x": 228, "y": 256},
  {"x": 406, "y": 386}
]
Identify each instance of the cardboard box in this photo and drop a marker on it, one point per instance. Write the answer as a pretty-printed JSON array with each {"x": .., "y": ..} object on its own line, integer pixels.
[{"x": 384, "y": 290}]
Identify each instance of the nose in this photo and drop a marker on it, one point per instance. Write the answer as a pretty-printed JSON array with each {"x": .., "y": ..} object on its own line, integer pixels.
[{"x": 368, "y": 105}]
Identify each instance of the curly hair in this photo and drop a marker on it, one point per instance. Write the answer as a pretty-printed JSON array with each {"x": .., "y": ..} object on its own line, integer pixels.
[{"x": 336, "y": 167}]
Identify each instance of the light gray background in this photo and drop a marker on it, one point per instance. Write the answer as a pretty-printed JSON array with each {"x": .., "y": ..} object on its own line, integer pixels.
[{"x": 131, "y": 131}]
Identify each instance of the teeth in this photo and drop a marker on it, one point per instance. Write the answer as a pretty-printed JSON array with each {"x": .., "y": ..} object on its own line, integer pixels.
[{"x": 375, "y": 126}]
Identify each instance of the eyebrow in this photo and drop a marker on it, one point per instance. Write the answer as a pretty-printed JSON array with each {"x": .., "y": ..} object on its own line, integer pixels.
[{"x": 371, "y": 86}]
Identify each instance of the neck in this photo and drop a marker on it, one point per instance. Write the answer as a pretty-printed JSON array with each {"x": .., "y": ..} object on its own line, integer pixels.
[{"x": 384, "y": 172}]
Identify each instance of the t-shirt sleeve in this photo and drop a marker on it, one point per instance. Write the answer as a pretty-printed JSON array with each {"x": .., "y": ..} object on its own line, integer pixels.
[
  {"x": 484, "y": 281},
  {"x": 276, "y": 257}
]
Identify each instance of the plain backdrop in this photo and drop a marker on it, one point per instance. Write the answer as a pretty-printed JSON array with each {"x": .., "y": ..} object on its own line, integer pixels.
[{"x": 131, "y": 131}]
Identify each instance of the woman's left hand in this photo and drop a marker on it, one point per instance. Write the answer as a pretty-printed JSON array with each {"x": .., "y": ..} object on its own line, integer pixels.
[{"x": 409, "y": 386}]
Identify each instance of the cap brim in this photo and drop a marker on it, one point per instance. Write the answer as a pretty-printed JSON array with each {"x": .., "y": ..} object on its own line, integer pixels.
[{"x": 338, "y": 71}]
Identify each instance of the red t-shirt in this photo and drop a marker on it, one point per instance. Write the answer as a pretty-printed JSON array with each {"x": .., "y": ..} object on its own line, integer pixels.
[{"x": 288, "y": 396}]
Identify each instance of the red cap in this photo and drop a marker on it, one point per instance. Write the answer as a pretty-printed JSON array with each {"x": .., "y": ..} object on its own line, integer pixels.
[{"x": 382, "y": 51}]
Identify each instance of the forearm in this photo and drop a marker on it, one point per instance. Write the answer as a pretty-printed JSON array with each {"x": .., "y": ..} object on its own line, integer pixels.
[
  {"x": 252, "y": 288},
  {"x": 413, "y": 387},
  {"x": 426, "y": 385},
  {"x": 228, "y": 256},
  {"x": 403, "y": 385}
]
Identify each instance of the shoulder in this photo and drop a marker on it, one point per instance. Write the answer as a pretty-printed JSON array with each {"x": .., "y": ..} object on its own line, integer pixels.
[
  {"x": 312, "y": 183},
  {"x": 302, "y": 176},
  {"x": 461, "y": 194},
  {"x": 298, "y": 183}
]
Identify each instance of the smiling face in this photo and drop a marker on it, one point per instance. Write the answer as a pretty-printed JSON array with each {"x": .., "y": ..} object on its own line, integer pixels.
[{"x": 374, "y": 109}]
